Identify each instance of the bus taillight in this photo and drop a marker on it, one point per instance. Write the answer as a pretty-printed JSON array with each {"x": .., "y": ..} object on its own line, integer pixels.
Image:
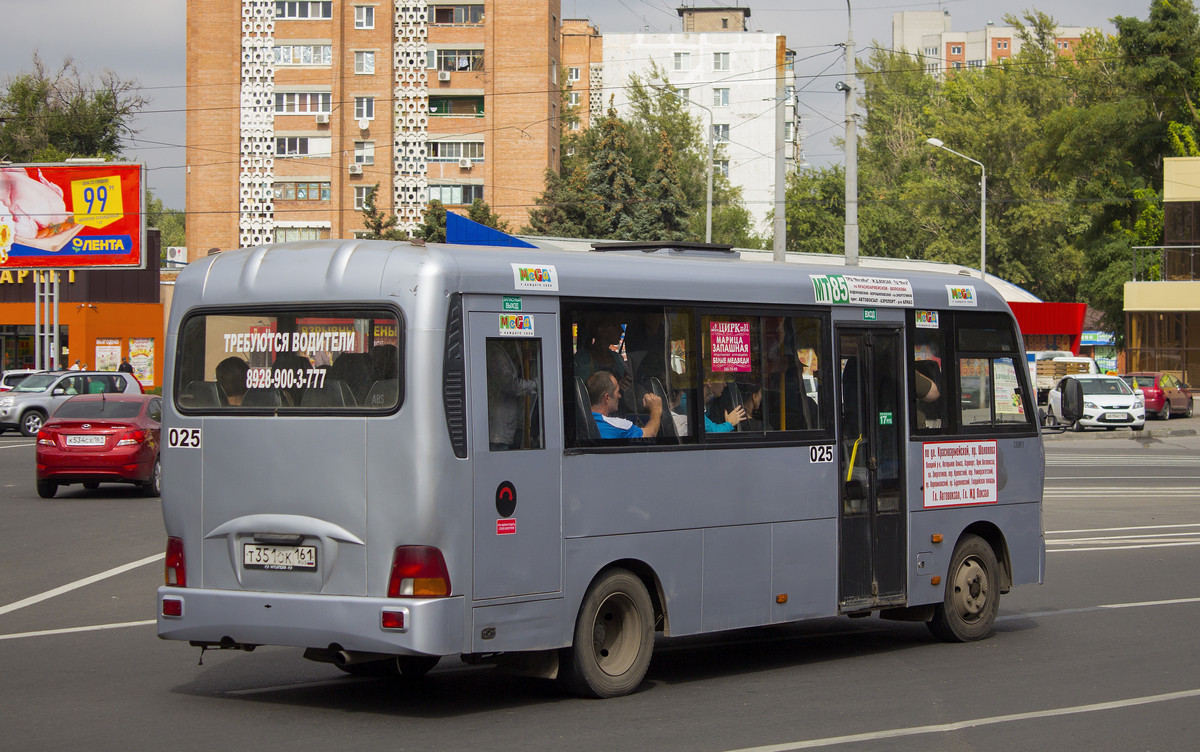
[
  {"x": 176, "y": 568},
  {"x": 418, "y": 572}
]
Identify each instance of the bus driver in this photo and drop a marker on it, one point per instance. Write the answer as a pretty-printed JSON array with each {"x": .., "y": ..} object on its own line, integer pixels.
[{"x": 605, "y": 394}]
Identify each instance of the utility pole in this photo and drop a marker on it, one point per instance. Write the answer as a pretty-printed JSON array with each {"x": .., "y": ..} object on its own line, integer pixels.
[
  {"x": 780, "y": 248},
  {"x": 847, "y": 87}
]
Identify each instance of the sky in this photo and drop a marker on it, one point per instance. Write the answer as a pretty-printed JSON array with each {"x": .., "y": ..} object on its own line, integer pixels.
[{"x": 144, "y": 40}]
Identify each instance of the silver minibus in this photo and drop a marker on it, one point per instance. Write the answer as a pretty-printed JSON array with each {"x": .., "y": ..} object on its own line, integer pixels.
[{"x": 385, "y": 454}]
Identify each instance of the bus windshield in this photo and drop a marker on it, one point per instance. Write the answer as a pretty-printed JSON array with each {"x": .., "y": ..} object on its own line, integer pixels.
[{"x": 291, "y": 360}]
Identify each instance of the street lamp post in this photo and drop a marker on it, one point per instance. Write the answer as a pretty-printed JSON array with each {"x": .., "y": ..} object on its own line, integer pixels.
[
  {"x": 847, "y": 86},
  {"x": 982, "y": 201},
  {"x": 708, "y": 198}
]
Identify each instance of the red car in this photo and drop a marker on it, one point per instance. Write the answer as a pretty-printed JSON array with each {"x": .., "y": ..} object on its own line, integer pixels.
[
  {"x": 1164, "y": 394},
  {"x": 101, "y": 438}
]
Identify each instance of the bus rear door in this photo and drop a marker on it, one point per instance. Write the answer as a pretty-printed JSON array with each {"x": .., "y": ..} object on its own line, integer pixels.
[
  {"x": 871, "y": 520},
  {"x": 516, "y": 430}
]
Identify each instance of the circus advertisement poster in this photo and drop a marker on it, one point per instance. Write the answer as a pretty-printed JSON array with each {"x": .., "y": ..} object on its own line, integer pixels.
[{"x": 71, "y": 216}]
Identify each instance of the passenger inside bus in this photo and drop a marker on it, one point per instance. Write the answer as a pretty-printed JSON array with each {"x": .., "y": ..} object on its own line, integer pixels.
[
  {"x": 715, "y": 388},
  {"x": 599, "y": 348},
  {"x": 604, "y": 392},
  {"x": 752, "y": 397},
  {"x": 509, "y": 395},
  {"x": 231, "y": 378},
  {"x": 927, "y": 380}
]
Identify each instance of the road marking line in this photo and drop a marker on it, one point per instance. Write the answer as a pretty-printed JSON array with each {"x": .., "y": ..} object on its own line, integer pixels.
[
  {"x": 1119, "y": 548},
  {"x": 1148, "y": 537},
  {"x": 80, "y": 583},
  {"x": 301, "y": 685},
  {"x": 1101, "y": 607},
  {"x": 1115, "y": 529},
  {"x": 15, "y": 446},
  {"x": 974, "y": 722},
  {"x": 71, "y": 630}
]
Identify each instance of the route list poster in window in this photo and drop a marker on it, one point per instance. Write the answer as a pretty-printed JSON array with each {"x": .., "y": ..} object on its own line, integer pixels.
[
  {"x": 730, "y": 346},
  {"x": 71, "y": 216},
  {"x": 959, "y": 472}
]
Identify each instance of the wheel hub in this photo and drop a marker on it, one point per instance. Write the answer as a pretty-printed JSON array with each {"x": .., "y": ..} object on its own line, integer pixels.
[{"x": 971, "y": 588}]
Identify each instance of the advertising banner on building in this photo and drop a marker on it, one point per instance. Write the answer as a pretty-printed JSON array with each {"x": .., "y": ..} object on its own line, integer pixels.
[
  {"x": 71, "y": 216},
  {"x": 108, "y": 354}
]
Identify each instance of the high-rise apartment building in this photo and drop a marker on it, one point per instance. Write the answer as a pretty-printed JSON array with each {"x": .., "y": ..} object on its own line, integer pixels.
[
  {"x": 731, "y": 77},
  {"x": 928, "y": 33},
  {"x": 297, "y": 109}
]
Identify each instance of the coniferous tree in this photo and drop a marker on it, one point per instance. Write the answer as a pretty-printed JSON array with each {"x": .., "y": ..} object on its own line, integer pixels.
[
  {"x": 610, "y": 177},
  {"x": 433, "y": 222},
  {"x": 663, "y": 211},
  {"x": 380, "y": 224}
]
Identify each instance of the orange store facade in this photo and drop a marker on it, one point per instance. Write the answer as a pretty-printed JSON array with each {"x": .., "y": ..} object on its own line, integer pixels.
[{"x": 103, "y": 316}]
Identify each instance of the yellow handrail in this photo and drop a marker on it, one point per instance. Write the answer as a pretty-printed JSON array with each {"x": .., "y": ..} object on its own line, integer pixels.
[{"x": 853, "y": 456}]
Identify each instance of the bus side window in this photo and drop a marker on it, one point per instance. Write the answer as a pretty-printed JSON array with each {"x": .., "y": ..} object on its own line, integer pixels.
[
  {"x": 928, "y": 392},
  {"x": 514, "y": 387}
]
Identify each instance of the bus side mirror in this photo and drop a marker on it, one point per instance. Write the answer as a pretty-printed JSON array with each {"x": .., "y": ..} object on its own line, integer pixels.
[{"x": 1072, "y": 401}]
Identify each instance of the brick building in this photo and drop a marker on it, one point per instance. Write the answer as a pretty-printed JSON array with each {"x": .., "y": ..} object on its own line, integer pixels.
[
  {"x": 297, "y": 109},
  {"x": 928, "y": 33}
]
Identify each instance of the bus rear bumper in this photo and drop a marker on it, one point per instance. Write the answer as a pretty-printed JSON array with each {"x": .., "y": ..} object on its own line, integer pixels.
[{"x": 431, "y": 626}]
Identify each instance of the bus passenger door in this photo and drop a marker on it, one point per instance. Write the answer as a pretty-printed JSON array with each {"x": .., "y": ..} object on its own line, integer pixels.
[
  {"x": 872, "y": 520},
  {"x": 516, "y": 439}
]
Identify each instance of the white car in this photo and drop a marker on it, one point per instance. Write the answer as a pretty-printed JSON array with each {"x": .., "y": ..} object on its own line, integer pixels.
[
  {"x": 10, "y": 379},
  {"x": 1108, "y": 402}
]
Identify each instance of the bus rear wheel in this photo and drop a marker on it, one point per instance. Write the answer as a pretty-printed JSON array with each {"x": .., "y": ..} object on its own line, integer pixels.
[
  {"x": 614, "y": 638},
  {"x": 972, "y": 598}
]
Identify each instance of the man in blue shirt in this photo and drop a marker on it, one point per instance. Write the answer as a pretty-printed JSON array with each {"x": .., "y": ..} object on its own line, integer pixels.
[{"x": 605, "y": 393}]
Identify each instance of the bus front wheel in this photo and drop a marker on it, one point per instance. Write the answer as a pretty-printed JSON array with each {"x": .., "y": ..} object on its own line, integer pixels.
[
  {"x": 614, "y": 637},
  {"x": 972, "y": 598}
]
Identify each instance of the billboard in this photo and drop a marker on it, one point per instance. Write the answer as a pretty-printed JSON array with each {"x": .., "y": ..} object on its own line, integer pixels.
[{"x": 71, "y": 216}]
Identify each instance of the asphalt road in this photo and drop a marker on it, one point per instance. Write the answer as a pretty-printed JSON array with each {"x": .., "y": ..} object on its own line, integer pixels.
[{"x": 1104, "y": 656}]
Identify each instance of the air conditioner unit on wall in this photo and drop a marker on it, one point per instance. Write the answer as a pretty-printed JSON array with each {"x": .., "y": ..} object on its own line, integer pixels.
[
  {"x": 443, "y": 75},
  {"x": 355, "y": 169},
  {"x": 177, "y": 254},
  {"x": 465, "y": 163},
  {"x": 322, "y": 118}
]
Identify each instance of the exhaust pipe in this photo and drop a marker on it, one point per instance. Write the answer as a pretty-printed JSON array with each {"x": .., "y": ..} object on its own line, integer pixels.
[{"x": 340, "y": 657}]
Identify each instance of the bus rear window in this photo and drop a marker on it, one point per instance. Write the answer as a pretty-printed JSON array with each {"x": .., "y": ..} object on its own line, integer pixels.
[{"x": 290, "y": 360}]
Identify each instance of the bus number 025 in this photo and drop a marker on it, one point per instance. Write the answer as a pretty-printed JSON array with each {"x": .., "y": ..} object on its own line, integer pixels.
[
  {"x": 183, "y": 438},
  {"x": 820, "y": 453}
]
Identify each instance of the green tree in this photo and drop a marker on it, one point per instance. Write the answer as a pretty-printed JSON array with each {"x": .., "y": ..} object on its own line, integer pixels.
[
  {"x": 663, "y": 211},
  {"x": 171, "y": 223},
  {"x": 482, "y": 213},
  {"x": 52, "y": 116},
  {"x": 381, "y": 224},
  {"x": 610, "y": 178},
  {"x": 433, "y": 222}
]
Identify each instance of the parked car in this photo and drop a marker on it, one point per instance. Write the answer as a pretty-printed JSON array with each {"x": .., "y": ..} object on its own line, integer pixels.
[
  {"x": 1107, "y": 402},
  {"x": 10, "y": 379},
  {"x": 101, "y": 438},
  {"x": 29, "y": 403},
  {"x": 1164, "y": 394}
]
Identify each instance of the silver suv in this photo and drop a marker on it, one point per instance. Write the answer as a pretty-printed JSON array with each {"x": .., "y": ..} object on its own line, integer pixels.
[{"x": 27, "y": 406}]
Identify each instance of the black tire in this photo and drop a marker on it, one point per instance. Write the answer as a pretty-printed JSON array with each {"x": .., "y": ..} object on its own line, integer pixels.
[
  {"x": 1138, "y": 428},
  {"x": 91, "y": 485},
  {"x": 1166, "y": 411},
  {"x": 31, "y": 422},
  {"x": 1078, "y": 427},
  {"x": 153, "y": 487},
  {"x": 972, "y": 597},
  {"x": 614, "y": 638},
  {"x": 47, "y": 488},
  {"x": 1188, "y": 414}
]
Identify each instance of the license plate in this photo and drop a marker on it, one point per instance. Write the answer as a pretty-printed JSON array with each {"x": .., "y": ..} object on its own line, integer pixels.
[
  {"x": 1117, "y": 416},
  {"x": 286, "y": 558},
  {"x": 85, "y": 440}
]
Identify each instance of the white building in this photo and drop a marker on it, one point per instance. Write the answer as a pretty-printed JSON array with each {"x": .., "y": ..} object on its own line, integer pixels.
[
  {"x": 928, "y": 33},
  {"x": 730, "y": 75}
]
